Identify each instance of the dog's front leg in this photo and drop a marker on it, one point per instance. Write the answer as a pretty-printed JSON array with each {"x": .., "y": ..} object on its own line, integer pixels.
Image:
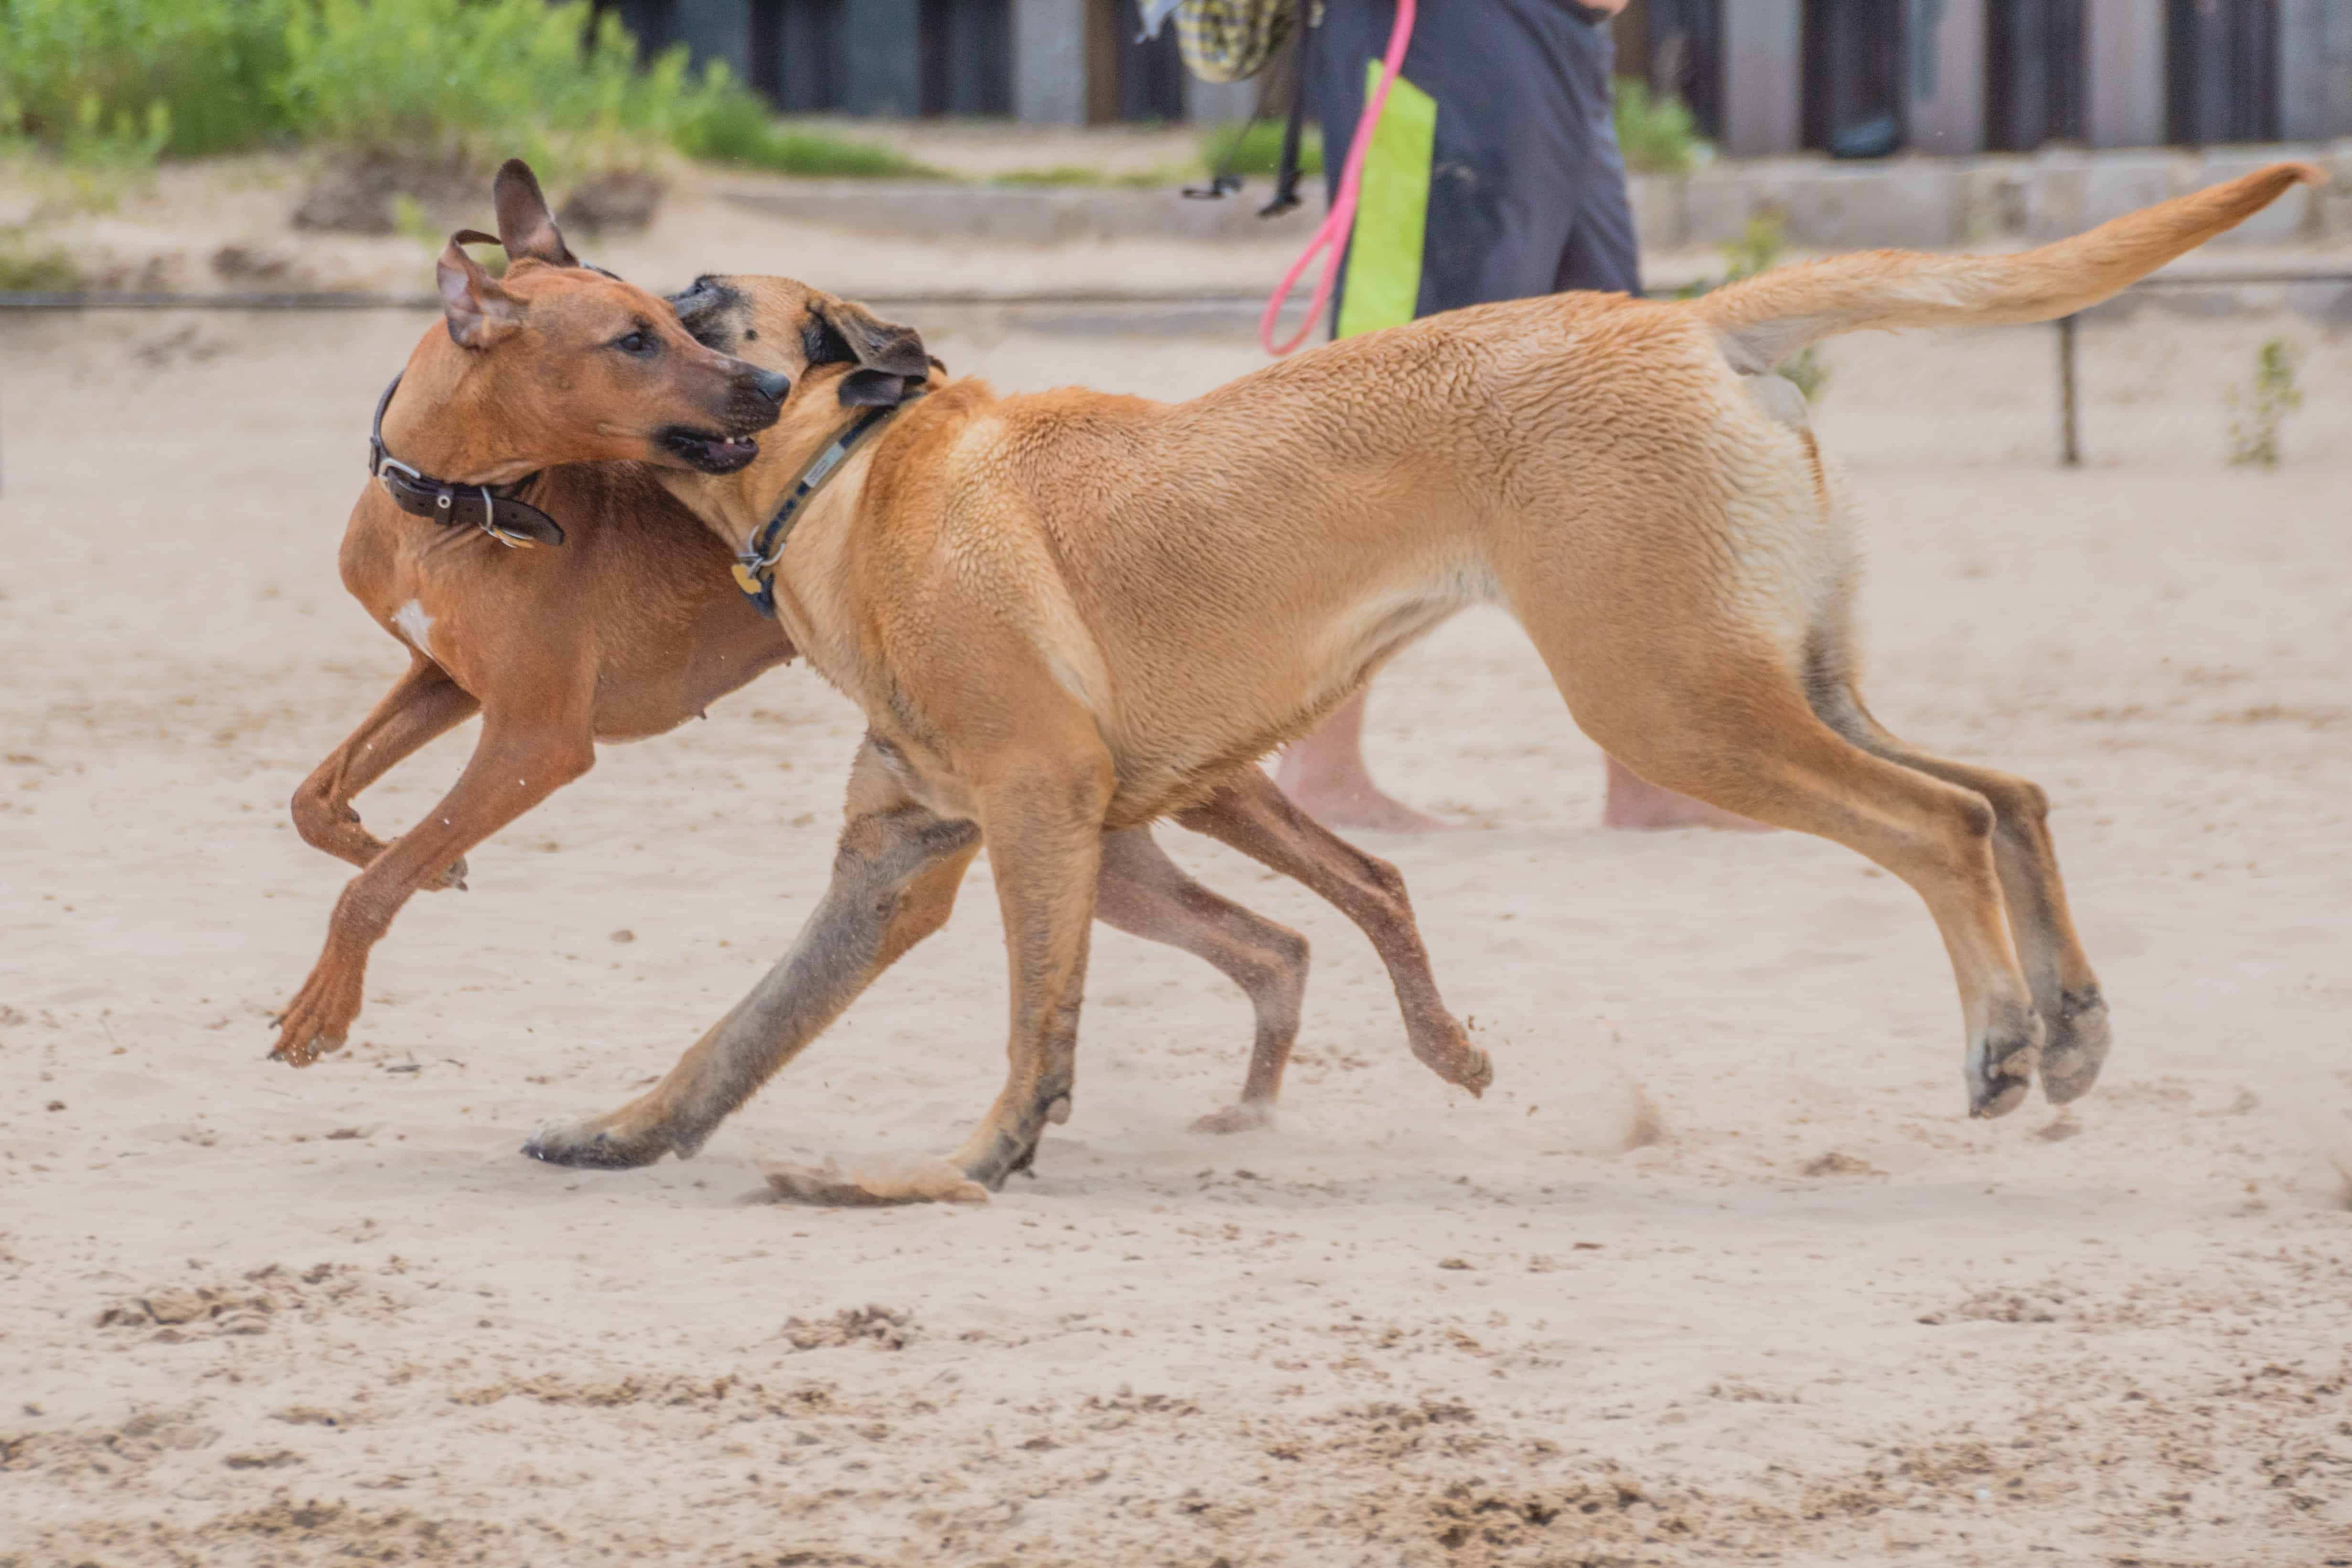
[
  {"x": 422, "y": 704},
  {"x": 1254, "y": 816},
  {"x": 894, "y": 883},
  {"x": 1043, "y": 821},
  {"x": 519, "y": 762}
]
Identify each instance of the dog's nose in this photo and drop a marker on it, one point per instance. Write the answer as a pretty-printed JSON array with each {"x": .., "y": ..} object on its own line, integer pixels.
[{"x": 773, "y": 384}]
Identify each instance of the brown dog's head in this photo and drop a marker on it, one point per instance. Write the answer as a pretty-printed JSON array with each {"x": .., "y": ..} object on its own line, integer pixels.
[
  {"x": 564, "y": 363},
  {"x": 787, "y": 327}
]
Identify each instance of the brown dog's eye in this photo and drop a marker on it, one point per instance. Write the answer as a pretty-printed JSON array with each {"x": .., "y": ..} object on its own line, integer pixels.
[{"x": 637, "y": 342}]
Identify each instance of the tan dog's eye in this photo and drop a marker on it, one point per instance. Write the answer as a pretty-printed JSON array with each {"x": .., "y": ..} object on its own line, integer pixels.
[{"x": 636, "y": 342}]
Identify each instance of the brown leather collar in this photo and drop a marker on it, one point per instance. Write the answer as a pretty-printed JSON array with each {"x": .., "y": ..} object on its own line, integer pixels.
[{"x": 496, "y": 509}]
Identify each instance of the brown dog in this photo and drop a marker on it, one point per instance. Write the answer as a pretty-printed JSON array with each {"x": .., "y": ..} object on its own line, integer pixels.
[
  {"x": 632, "y": 625},
  {"x": 1073, "y": 613}
]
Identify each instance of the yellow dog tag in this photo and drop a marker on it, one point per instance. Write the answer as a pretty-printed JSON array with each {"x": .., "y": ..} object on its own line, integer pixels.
[{"x": 748, "y": 579}]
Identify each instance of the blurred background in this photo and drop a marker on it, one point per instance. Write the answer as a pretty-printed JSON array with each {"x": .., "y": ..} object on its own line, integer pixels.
[{"x": 1843, "y": 121}]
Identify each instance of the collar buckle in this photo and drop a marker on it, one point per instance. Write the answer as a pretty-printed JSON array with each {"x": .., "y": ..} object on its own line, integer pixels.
[
  {"x": 420, "y": 495},
  {"x": 755, "y": 566}
]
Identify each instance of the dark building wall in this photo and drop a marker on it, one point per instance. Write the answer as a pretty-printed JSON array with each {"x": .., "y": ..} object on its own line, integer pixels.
[
  {"x": 880, "y": 58},
  {"x": 2035, "y": 81},
  {"x": 964, "y": 57},
  {"x": 2222, "y": 70}
]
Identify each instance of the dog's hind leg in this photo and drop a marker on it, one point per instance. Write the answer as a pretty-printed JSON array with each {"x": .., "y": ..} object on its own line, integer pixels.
[
  {"x": 1252, "y": 814},
  {"x": 1729, "y": 723},
  {"x": 2065, "y": 990},
  {"x": 518, "y": 763},
  {"x": 1142, "y": 891},
  {"x": 423, "y": 705},
  {"x": 895, "y": 877}
]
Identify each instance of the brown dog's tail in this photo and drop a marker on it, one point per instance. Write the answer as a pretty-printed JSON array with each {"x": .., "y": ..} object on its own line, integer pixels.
[{"x": 1768, "y": 318}]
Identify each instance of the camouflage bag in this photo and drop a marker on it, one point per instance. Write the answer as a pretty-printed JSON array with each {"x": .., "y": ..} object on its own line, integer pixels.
[{"x": 1225, "y": 40}]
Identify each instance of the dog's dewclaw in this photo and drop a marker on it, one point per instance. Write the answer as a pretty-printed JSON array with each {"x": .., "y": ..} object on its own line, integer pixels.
[{"x": 874, "y": 1184}]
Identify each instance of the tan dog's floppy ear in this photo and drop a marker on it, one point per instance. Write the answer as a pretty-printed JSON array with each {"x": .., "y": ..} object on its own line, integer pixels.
[
  {"x": 889, "y": 358},
  {"x": 525, "y": 226},
  {"x": 478, "y": 312}
]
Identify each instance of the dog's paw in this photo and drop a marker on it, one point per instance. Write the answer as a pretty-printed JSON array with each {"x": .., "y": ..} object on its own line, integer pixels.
[
  {"x": 1243, "y": 1117},
  {"x": 319, "y": 1019},
  {"x": 1999, "y": 1066},
  {"x": 2077, "y": 1046},
  {"x": 586, "y": 1144},
  {"x": 452, "y": 876},
  {"x": 1456, "y": 1061}
]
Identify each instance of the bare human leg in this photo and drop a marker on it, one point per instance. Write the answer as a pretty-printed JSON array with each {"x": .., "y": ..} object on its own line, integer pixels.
[{"x": 1324, "y": 773}]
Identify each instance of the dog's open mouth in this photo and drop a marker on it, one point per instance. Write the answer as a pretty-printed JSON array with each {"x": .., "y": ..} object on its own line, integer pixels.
[{"x": 707, "y": 450}]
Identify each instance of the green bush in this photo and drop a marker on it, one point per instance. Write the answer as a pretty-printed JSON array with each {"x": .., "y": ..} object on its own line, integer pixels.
[
  {"x": 1256, "y": 148},
  {"x": 1657, "y": 135},
  {"x": 462, "y": 84},
  {"x": 445, "y": 86},
  {"x": 116, "y": 80},
  {"x": 723, "y": 123}
]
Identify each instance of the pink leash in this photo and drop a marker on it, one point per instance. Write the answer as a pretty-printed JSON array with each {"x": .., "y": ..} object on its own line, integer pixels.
[{"x": 1332, "y": 237}]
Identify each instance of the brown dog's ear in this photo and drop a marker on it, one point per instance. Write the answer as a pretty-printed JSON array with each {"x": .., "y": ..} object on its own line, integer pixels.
[
  {"x": 525, "y": 226},
  {"x": 478, "y": 312},
  {"x": 889, "y": 358}
]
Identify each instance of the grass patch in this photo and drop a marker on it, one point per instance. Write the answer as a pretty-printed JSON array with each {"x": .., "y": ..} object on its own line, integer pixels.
[
  {"x": 730, "y": 126},
  {"x": 1255, "y": 147},
  {"x": 1082, "y": 174},
  {"x": 2259, "y": 412},
  {"x": 43, "y": 272}
]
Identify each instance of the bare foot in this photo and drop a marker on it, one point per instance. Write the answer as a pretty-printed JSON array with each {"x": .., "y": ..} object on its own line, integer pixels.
[
  {"x": 1635, "y": 802},
  {"x": 1358, "y": 803},
  {"x": 1325, "y": 776}
]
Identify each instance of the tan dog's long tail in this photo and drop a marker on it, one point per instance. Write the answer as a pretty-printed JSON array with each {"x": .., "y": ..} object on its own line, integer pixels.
[{"x": 1768, "y": 318}]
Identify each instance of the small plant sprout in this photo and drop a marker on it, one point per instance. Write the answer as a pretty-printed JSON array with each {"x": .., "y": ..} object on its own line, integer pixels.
[
  {"x": 1757, "y": 249},
  {"x": 2258, "y": 411}
]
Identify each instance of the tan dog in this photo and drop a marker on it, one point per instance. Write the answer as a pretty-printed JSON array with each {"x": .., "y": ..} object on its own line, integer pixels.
[
  {"x": 632, "y": 626},
  {"x": 1070, "y": 613}
]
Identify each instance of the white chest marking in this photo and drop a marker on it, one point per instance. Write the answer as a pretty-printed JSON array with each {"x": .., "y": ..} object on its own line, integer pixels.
[{"x": 416, "y": 625}]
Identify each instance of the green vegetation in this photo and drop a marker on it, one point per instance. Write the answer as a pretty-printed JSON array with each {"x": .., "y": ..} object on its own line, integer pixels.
[
  {"x": 1757, "y": 249},
  {"x": 1256, "y": 148},
  {"x": 43, "y": 272},
  {"x": 724, "y": 124},
  {"x": 114, "y": 80},
  {"x": 102, "y": 88},
  {"x": 2259, "y": 411},
  {"x": 460, "y": 84},
  {"x": 1657, "y": 135},
  {"x": 1087, "y": 174}
]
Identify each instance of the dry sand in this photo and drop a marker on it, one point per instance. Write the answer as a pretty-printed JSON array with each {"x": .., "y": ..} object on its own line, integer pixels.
[{"x": 1718, "y": 1272}]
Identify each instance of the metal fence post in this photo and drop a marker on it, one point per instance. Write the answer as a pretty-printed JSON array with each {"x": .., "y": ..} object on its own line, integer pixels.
[{"x": 2070, "y": 446}]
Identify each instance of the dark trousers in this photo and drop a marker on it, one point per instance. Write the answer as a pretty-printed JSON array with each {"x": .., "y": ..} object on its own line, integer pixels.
[{"x": 1527, "y": 189}]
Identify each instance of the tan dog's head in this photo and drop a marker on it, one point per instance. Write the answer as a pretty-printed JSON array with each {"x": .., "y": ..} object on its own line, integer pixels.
[
  {"x": 571, "y": 364},
  {"x": 829, "y": 347}
]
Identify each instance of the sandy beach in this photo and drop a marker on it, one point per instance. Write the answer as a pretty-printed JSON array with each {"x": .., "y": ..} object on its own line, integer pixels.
[{"x": 1718, "y": 1271}]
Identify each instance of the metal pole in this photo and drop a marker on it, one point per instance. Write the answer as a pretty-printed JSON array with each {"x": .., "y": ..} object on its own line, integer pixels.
[{"x": 2070, "y": 446}]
